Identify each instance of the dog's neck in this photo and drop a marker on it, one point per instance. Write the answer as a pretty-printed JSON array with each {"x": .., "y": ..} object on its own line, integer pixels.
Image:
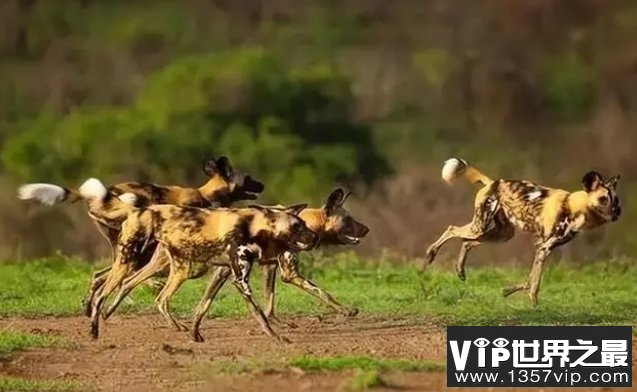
[
  {"x": 315, "y": 219},
  {"x": 577, "y": 203},
  {"x": 216, "y": 189}
]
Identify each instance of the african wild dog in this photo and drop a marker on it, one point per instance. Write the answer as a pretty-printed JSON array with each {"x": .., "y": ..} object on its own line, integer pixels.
[
  {"x": 224, "y": 187},
  {"x": 334, "y": 226},
  {"x": 196, "y": 239},
  {"x": 552, "y": 216}
]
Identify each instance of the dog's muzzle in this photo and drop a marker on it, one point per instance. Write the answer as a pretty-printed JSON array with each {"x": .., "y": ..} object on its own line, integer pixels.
[
  {"x": 306, "y": 240},
  {"x": 615, "y": 213}
]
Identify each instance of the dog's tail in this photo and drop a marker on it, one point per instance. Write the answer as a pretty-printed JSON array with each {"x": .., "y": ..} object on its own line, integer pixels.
[
  {"x": 454, "y": 168},
  {"x": 92, "y": 190},
  {"x": 48, "y": 194}
]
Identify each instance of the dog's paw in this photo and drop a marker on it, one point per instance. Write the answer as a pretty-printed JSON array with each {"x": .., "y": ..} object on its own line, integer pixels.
[
  {"x": 95, "y": 331},
  {"x": 197, "y": 337},
  {"x": 430, "y": 255},
  {"x": 351, "y": 312}
]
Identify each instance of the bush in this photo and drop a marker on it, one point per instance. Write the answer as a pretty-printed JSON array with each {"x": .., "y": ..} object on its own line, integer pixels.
[{"x": 291, "y": 128}]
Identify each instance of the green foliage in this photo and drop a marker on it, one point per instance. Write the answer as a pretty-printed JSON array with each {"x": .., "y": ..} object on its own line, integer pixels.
[
  {"x": 365, "y": 380},
  {"x": 570, "y": 85},
  {"x": 286, "y": 126},
  {"x": 596, "y": 293},
  {"x": 364, "y": 363},
  {"x": 436, "y": 65}
]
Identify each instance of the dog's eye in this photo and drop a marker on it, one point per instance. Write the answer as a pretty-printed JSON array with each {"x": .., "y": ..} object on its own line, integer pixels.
[{"x": 603, "y": 200}]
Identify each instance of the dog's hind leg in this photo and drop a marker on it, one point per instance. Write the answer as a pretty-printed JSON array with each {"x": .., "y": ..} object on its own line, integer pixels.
[
  {"x": 270, "y": 284},
  {"x": 99, "y": 277},
  {"x": 503, "y": 231},
  {"x": 288, "y": 262},
  {"x": 269, "y": 278},
  {"x": 118, "y": 273},
  {"x": 486, "y": 207},
  {"x": 179, "y": 273},
  {"x": 97, "y": 280},
  {"x": 157, "y": 264},
  {"x": 219, "y": 278}
]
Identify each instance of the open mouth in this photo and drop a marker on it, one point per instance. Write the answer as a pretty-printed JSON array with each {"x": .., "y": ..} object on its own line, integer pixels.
[
  {"x": 353, "y": 240},
  {"x": 301, "y": 245}
]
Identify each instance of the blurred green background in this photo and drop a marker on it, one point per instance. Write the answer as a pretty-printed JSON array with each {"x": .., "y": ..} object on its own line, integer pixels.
[{"x": 309, "y": 95}]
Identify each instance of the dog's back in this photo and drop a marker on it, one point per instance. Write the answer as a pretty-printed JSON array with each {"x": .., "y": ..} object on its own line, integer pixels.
[{"x": 529, "y": 206}]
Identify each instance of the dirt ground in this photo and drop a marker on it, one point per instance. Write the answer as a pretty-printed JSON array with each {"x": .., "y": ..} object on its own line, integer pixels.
[{"x": 139, "y": 353}]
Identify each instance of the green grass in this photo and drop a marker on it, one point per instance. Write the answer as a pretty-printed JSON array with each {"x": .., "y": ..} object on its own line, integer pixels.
[
  {"x": 10, "y": 384},
  {"x": 15, "y": 341},
  {"x": 364, "y": 363},
  {"x": 366, "y": 380},
  {"x": 598, "y": 293}
]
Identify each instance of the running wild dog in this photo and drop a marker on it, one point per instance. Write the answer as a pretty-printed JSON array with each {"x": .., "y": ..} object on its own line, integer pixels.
[
  {"x": 553, "y": 216},
  {"x": 225, "y": 186},
  {"x": 333, "y": 225},
  {"x": 196, "y": 239}
]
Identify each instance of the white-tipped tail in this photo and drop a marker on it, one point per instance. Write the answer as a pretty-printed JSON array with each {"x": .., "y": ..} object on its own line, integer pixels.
[
  {"x": 47, "y": 194},
  {"x": 93, "y": 189},
  {"x": 128, "y": 198},
  {"x": 453, "y": 168}
]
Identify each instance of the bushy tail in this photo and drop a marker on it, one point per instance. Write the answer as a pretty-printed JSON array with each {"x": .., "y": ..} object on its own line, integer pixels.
[
  {"x": 92, "y": 190},
  {"x": 95, "y": 192},
  {"x": 454, "y": 168},
  {"x": 48, "y": 194}
]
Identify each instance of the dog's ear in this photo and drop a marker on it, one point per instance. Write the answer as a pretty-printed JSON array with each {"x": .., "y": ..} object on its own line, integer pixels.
[
  {"x": 209, "y": 167},
  {"x": 335, "y": 200},
  {"x": 591, "y": 181},
  {"x": 612, "y": 183},
  {"x": 348, "y": 194},
  {"x": 225, "y": 168},
  {"x": 296, "y": 209}
]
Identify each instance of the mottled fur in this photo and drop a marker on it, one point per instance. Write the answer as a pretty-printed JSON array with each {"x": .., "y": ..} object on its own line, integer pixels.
[
  {"x": 196, "y": 239},
  {"x": 553, "y": 216},
  {"x": 224, "y": 187},
  {"x": 334, "y": 226}
]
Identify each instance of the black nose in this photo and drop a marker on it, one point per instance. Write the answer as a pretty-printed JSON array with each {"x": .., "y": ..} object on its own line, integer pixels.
[{"x": 364, "y": 231}]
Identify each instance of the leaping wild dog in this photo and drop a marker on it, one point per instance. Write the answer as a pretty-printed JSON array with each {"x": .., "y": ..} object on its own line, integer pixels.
[
  {"x": 196, "y": 239},
  {"x": 553, "y": 216},
  {"x": 332, "y": 223},
  {"x": 224, "y": 187}
]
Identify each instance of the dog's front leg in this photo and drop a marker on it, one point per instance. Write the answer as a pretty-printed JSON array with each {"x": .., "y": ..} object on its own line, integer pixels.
[
  {"x": 288, "y": 262},
  {"x": 536, "y": 272},
  {"x": 241, "y": 264}
]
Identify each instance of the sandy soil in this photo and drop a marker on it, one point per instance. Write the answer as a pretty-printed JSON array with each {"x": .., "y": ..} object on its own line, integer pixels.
[{"x": 140, "y": 353}]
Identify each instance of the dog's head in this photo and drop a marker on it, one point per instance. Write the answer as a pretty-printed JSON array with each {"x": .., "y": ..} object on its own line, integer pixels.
[
  {"x": 602, "y": 196},
  {"x": 228, "y": 181},
  {"x": 283, "y": 225},
  {"x": 340, "y": 227}
]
